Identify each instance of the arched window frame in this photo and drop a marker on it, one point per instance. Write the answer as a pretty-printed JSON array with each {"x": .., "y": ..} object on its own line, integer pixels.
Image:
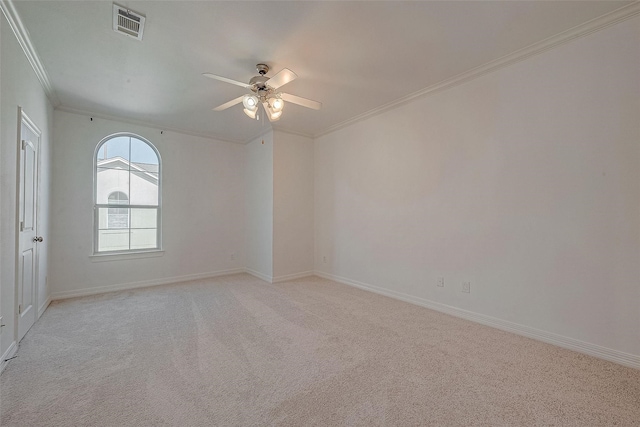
[{"x": 97, "y": 206}]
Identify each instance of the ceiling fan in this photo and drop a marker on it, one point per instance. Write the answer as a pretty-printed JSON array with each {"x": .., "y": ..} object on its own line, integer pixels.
[{"x": 265, "y": 92}]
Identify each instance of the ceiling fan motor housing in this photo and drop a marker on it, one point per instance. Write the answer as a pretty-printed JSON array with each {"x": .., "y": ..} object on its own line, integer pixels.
[
  {"x": 262, "y": 69},
  {"x": 259, "y": 83}
]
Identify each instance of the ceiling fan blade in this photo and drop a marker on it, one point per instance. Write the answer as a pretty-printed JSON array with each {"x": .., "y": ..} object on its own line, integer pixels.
[
  {"x": 231, "y": 103},
  {"x": 282, "y": 78},
  {"x": 302, "y": 101},
  {"x": 224, "y": 79}
]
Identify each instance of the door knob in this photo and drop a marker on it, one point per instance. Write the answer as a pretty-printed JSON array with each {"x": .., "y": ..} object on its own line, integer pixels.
[{"x": 37, "y": 239}]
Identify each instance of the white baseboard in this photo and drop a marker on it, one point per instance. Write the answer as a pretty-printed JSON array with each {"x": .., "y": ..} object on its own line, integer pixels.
[
  {"x": 11, "y": 351},
  {"x": 274, "y": 279},
  {"x": 600, "y": 352},
  {"x": 259, "y": 275},
  {"x": 143, "y": 284},
  {"x": 44, "y": 306},
  {"x": 292, "y": 276}
]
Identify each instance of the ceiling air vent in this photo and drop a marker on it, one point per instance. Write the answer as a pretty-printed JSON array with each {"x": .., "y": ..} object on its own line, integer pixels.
[{"x": 127, "y": 22}]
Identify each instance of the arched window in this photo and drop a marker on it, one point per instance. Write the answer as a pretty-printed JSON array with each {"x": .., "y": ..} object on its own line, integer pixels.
[{"x": 126, "y": 195}]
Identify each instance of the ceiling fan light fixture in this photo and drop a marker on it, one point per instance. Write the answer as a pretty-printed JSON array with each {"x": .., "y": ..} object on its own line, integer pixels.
[
  {"x": 271, "y": 112},
  {"x": 277, "y": 104},
  {"x": 250, "y": 103},
  {"x": 275, "y": 116},
  {"x": 251, "y": 113}
]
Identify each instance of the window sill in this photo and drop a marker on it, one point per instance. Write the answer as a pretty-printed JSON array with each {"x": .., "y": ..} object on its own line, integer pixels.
[{"x": 125, "y": 255}]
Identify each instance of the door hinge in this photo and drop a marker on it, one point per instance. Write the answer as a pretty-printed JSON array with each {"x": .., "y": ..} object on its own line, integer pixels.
[
  {"x": 21, "y": 225},
  {"x": 19, "y": 308}
]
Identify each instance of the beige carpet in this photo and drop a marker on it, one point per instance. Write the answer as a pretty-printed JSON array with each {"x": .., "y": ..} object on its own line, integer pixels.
[{"x": 235, "y": 351}]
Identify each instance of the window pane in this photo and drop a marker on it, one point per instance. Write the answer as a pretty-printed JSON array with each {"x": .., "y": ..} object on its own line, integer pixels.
[
  {"x": 143, "y": 155},
  {"x": 109, "y": 181},
  {"x": 114, "y": 164},
  {"x": 117, "y": 218},
  {"x": 113, "y": 240},
  {"x": 102, "y": 219},
  {"x": 144, "y": 238},
  {"x": 113, "y": 149},
  {"x": 113, "y": 218},
  {"x": 118, "y": 198},
  {"x": 144, "y": 218},
  {"x": 144, "y": 188}
]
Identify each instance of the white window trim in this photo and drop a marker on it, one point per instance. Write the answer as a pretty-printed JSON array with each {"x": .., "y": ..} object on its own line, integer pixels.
[
  {"x": 133, "y": 253},
  {"x": 111, "y": 256}
]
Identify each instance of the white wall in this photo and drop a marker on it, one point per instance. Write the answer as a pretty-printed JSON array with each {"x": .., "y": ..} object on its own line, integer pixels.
[
  {"x": 292, "y": 205},
  {"x": 19, "y": 86},
  {"x": 259, "y": 206},
  {"x": 525, "y": 182},
  {"x": 279, "y": 206},
  {"x": 202, "y": 208}
]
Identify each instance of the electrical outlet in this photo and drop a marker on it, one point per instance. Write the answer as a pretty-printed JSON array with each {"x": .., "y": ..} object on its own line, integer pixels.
[
  {"x": 466, "y": 287},
  {"x": 232, "y": 256},
  {"x": 441, "y": 282},
  {"x": 324, "y": 259}
]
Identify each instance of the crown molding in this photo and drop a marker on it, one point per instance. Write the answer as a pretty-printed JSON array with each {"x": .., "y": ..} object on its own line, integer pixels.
[
  {"x": 597, "y": 24},
  {"x": 22, "y": 35},
  {"x": 292, "y": 132},
  {"x": 145, "y": 124}
]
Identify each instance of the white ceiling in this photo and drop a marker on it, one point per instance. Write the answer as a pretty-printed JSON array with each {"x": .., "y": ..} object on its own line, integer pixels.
[{"x": 351, "y": 56}]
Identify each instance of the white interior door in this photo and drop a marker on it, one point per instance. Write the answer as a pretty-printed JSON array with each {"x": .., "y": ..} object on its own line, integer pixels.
[{"x": 28, "y": 238}]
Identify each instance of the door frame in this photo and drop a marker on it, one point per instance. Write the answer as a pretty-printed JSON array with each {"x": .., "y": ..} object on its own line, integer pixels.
[{"x": 24, "y": 118}]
